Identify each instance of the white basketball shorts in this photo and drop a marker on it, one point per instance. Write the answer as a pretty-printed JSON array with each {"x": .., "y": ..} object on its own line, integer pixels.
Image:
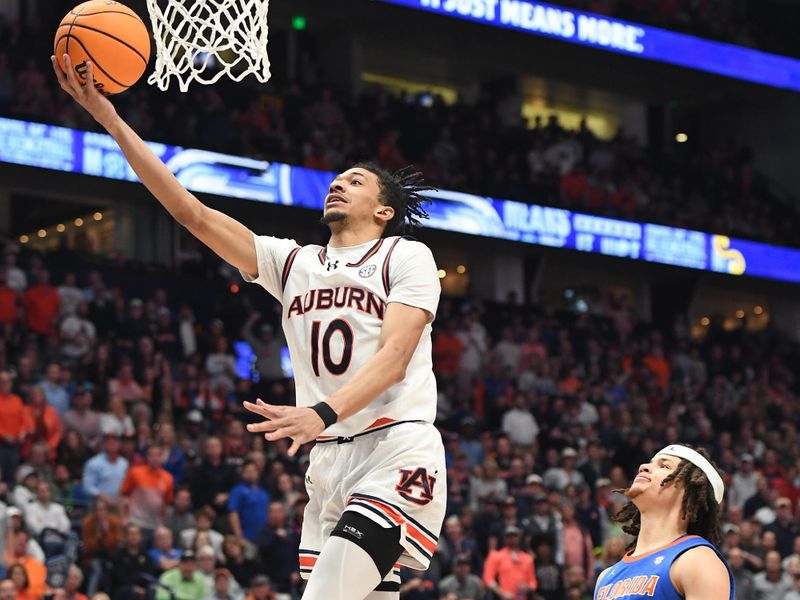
[{"x": 395, "y": 476}]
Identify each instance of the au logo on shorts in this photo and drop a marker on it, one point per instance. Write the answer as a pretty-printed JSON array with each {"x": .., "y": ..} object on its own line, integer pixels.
[{"x": 416, "y": 479}]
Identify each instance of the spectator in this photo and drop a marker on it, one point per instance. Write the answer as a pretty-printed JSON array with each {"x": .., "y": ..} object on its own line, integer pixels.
[
  {"x": 487, "y": 485},
  {"x": 267, "y": 348},
  {"x": 462, "y": 582},
  {"x": 793, "y": 570},
  {"x": 9, "y": 307},
  {"x": 17, "y": 554},
  {"x": 82, "y": 418},
  {"x": 772, "y": 583},
  {"x": 70, "y": 295},
  {"x": 73, "y": 454},
  {"x": 180, "y": 515},
  {"x": 44, "y": 423},
  {"x": 13, "y": 428},
  {"x": 560, "y": 477},
  {"x": 78, "y": 335},
  {"x": 223, "y": 589},
  {"x": 510, "y": 571},
  {"x": 448, "y": 350},
  {"x": 234, "y": 559},
  {"x": 16, "y": 278},
  {"x": 54, "y": 391},
  {"x": 742, "y": 577},
  {"x": 128, "y": 565},
  {"x": 116, "y": 421},
  {"x": 175, "y": 461},
  {"x": 25, "y": 491},
  {"x": 163, "y": 555},
  {"x": 105, "y": 472},
  {"x": 212, "y": 480},
  {"x": 101, "y": 533},
  {"x": 260, "y": 589},
  {"x": 221, "y": 365},
  {"x": 44, "y": 514},
  {"x": 744, "y": 481},
  {"x": 278, "y": 543},
  {"x": 577, "y": 543},
  {"x": 8, "y": 590},
  {"x": 73, "y": 583},
  {"x": 183, "y": 581},
  {"x": 784, "y": 527},
  {"x": 147, "y": 491},
  {"x": 22, "y": 587},
  {"x": 206, "y": 564},
  {"x": 204, "y": 517},
  {"x": 42, "y": 305},
  {"x": 125, "y": 387},
  {"x": 549, "y": 574},
  {"x": 248, "y": 504},
  {"x": 519, "y": 424},
  {"x": 543, "y": 526},
  {"x": 795, "y": 552}
]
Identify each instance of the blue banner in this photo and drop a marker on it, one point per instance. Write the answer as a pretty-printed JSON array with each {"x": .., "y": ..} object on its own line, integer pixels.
[
  {"x": 624, "y": 37},
  {"x": 49, "y": 147}
]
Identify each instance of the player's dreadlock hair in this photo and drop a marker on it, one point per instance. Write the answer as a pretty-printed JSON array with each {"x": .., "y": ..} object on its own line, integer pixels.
[
  {"x": 402, "y": 191},
  {"x": 699, "y": 507}
]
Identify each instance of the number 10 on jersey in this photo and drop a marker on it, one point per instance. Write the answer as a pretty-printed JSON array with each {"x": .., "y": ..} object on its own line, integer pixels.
[{"x": 336, "y": 327}]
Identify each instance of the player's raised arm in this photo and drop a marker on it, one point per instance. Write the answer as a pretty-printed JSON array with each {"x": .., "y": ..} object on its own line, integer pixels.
[{"x": 231, "y": 240}]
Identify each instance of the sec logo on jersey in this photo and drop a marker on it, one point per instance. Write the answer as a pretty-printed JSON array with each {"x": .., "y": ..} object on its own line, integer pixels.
[{"x": 367, "y": 271}]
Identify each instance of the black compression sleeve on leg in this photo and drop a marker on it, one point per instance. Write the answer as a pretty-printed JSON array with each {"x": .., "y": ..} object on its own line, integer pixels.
[{"x": 381, "y": 543}]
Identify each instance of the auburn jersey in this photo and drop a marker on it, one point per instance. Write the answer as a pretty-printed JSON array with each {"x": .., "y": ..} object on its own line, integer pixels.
[
  {"x": 334, "y": 301},
  {"x": 647, "y": 575}
]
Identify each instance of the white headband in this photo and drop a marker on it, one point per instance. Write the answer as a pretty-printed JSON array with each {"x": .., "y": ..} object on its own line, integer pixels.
[{"x": 699, "y": 461}]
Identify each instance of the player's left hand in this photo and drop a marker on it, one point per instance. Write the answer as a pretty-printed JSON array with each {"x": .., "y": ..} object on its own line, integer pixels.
[{"x": 302, "y": 425}]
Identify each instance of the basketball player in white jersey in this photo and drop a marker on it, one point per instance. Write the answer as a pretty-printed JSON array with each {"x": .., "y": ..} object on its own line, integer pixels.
[{"x": 357, "y": 316}]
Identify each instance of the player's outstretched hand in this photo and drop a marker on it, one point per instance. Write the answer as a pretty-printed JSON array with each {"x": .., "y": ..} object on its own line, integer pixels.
[
  {"x": 302, "y": 425},
  {"x": 84, "y": 94}
]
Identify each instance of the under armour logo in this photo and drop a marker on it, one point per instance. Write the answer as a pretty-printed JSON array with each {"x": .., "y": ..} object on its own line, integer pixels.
[
  {"x": 308, "y": 479},
  {"x": 332, "y": 265}
]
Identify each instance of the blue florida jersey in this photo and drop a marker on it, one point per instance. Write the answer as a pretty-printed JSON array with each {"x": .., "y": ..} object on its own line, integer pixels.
[
  {"x": 333, "y": 305},
  {"x": 647, "y": 576}
]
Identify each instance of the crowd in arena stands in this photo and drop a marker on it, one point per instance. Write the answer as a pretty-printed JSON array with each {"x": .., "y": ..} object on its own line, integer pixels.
[
  {"x": 126, "y": 471},
  {"x": 482, "y": 146}
]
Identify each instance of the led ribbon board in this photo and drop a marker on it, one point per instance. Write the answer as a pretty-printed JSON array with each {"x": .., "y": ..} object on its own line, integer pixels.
[
  {"x": 623, "y": 37},
  {"x": 72, "y": 151}
]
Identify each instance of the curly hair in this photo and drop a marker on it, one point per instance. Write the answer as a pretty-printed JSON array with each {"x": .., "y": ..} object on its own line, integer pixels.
[
  {"x": 698, "y": 507},
  {"x": 402, "y": 191}
]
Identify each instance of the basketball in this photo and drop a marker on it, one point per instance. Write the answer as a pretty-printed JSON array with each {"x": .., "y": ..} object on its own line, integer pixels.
[{"x": 112, "y": 37}]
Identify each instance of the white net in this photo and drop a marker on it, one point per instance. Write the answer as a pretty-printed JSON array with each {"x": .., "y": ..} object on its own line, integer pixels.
[{"x": 202, "y": 40}]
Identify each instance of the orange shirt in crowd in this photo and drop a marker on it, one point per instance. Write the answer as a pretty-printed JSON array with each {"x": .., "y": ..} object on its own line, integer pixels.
[
  {"x": 44, "y": 426},
  {"x": 37, "y": 574},
  {"x": 511, "y": 569},
  {"x": 13, "y": 417},
  {"x": 150, "y": 491},
  {"x": 41, "y": 308},
  {"x": 447, "y": 352},
  {"x": 8, "y": 305},
  {"x": 660, "y": 368}
]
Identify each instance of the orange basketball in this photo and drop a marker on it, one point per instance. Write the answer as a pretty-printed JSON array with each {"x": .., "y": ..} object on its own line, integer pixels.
[{"x": 111, "y": 36}]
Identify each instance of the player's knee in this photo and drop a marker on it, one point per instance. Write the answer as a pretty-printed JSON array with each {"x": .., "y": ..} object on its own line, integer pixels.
[{"x": 381, "y": 543}]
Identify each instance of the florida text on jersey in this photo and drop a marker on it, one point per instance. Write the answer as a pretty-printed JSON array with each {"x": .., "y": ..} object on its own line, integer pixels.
[{"x": 648, "y": 575}]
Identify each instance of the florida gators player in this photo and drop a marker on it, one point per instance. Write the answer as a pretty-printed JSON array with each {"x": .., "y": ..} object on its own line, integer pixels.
[{"x": 674, "y": 516}]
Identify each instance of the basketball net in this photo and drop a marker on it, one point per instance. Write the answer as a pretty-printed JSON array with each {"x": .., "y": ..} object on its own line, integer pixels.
[{"x": 202, "y": 40}]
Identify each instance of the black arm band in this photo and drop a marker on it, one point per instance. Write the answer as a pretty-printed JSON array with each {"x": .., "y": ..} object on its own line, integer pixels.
[{"x": 326, "y": 413}]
